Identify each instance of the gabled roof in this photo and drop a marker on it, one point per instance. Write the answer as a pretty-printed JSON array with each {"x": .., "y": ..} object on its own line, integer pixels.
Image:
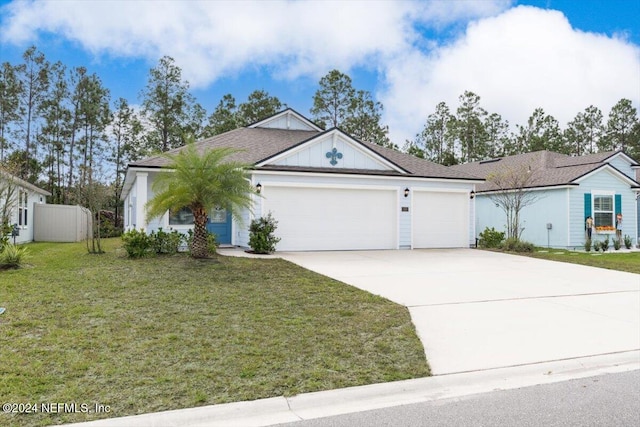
[
  {"x": 22, "y": 183},
  {"x": 291, "y": 115},
  {"x": 548, "y": 169},
  {"x": 258, "y": 144}
]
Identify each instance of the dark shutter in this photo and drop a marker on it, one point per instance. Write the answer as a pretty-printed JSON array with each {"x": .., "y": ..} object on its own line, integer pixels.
[
  {"x": 587, "y": 205},
  {"x": 618, "y": 204}
]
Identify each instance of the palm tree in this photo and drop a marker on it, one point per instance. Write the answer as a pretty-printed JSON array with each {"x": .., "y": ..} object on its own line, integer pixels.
[{"x": 201, "y": 182}]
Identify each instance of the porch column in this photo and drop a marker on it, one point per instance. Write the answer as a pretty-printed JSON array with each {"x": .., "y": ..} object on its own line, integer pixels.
[{"x": 141, "y": 200}]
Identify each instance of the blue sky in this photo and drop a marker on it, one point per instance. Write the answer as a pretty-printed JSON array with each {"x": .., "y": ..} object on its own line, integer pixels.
[{"x": 517, "y": 55}]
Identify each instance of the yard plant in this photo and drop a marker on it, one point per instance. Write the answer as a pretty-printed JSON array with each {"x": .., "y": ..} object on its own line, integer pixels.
[
  {"x": 490, "y": 238},
  {"x": 170, "y": 332},
  {"x": 201, "y": 181},
  {"x": 12, "y": 256},
  {"x": 262, "y": 239},
  {"x": 627, "y": 242}
]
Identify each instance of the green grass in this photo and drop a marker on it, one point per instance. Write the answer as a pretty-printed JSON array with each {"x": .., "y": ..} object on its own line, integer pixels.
[
  {"x": 172, "y": 332},
  {"x": 629, "y": 261}
]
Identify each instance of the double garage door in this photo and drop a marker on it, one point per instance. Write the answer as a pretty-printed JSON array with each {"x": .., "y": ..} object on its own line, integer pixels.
[
  {"x": 311, "y": 218},
  {"x": 333, "y": 218}
]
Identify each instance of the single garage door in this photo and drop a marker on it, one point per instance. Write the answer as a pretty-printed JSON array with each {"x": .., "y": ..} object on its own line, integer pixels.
[
  {"x": 440, "y": 219},
  {"x": 333, "y": 218}
]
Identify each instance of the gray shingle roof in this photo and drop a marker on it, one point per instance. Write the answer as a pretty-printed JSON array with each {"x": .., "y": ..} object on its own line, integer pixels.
[
  {"x": 255, "y": 144},
  {"x": 547, "y": 168},
  {"x": 260, "y": 144}
]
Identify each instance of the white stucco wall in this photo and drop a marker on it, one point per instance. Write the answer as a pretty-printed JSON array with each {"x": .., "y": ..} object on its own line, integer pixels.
[{"x": 26, "y": 230}]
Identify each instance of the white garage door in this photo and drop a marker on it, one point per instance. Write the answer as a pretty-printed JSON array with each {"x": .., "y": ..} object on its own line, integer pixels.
[
  {"x": 440, "y": 220},
  {"x": 333, "y": 218}
]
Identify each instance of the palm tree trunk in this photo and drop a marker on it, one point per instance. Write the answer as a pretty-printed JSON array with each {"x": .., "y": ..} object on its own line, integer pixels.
[{"x": 200, "y": 245}]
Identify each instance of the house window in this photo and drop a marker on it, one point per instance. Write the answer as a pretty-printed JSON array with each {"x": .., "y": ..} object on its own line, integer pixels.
[
  {"x": 603, "y": 214},
  {"x": 22, "y": 207},
  {"x": 182, "y": 217}
]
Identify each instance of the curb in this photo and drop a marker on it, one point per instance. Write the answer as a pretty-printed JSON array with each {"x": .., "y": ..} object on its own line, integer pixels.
[{"x": 277, "y": 410}]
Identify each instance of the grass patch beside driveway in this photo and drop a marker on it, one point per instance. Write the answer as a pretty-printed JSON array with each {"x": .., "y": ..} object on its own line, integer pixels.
[
  {"x": 629, "y": 261},
  {"x": 173, "y": 332}
]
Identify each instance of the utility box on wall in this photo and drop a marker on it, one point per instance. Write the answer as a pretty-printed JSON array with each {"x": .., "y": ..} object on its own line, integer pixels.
[{"x": 61, "y": 223}]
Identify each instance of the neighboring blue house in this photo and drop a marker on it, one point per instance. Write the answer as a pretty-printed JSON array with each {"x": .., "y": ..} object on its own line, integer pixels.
[{"x": 567, "y": 190}]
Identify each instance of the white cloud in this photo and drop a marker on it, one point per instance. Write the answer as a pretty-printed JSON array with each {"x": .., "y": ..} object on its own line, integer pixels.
[
  {"x": 211, "y": 39},
  {"x": 517, "y": 61}
]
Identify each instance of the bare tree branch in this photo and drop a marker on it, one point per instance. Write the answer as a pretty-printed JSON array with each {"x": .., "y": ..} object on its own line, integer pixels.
[{"x": 513, "y": 192}]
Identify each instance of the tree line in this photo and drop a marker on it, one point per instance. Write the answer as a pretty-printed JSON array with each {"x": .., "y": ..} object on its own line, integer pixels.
[
  {"x": 471, "y": 133},
  {"x": 60, "y": 129}
]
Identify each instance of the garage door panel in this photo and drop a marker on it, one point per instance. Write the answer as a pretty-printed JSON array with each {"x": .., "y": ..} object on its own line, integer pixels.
[
  {"x": 333, "y": 218},
  {"x": 440, "y": 220}
]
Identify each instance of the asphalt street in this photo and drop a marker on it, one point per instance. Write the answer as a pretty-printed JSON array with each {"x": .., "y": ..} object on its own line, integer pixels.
[{"x": 605, "y": 400}]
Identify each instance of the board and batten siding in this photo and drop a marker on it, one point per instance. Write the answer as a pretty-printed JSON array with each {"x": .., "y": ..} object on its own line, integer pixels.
[
  {"x": 287, "y": 122},
  {"x": 608, "y": 183},
  {"x": 315, "y": 155}
]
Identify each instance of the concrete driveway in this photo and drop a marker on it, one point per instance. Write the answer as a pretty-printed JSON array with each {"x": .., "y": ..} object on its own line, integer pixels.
[{"x": 477, "y": 310}]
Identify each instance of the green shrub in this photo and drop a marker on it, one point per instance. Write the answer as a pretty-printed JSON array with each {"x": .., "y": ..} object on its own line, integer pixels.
[
  {"x": 627, "y": 242},
  {"x": 514, "y": 245},
  {"x": 261, "y": 237},
  {"x": 12, "y": 256},
  {"x": 587, "y": 245},
  {"x": 137, "y": 243},
  {"x": 165, "y": 243},
  {"x": 597, "y": 246},
  {"x": 5, "y": 232},
  {"x": 110, "y": 226},
  {"x": 604, "y": 245},
  {"x": 490, "y": 238},
  {"x": 616, "y": 244}
]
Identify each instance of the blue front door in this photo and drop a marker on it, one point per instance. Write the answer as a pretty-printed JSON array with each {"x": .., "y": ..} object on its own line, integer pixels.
[{"x": 220, "y": 225}]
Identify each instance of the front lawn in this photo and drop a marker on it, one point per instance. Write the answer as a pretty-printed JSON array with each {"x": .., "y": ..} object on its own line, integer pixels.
[
  {"x": 629, "y": 261},
  {"x": 171, "y": 332}
]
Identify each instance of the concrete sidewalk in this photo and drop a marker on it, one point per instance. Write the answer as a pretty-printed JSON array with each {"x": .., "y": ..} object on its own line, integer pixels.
[{"x": 279, "y": 410}]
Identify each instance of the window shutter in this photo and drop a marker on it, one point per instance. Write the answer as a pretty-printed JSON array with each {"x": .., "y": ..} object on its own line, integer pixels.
[
  {"x": 618, "y": 204},
  {"x": 587, "y": 204}
]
